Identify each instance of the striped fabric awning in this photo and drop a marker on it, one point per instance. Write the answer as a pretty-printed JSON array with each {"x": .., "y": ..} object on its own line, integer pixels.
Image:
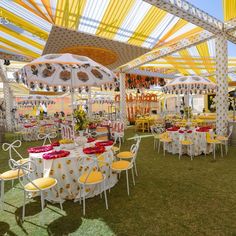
[{"x": 28, "y": 23}]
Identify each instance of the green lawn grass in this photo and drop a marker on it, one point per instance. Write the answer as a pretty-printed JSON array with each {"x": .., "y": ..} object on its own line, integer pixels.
[{"x": 171, "y": 197}]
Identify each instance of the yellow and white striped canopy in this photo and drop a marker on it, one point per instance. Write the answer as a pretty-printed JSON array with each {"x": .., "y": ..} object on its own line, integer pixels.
[{"x": 132, "y": 21}]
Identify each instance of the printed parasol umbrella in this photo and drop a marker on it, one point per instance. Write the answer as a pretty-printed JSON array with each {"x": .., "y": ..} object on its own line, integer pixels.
[
  {"x": 190, "y": 85},
  {"x": 65, "y": 72}
]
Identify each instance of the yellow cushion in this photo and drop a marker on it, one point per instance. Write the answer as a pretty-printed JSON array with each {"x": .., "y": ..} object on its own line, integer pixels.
[
  {"x": 11, "y": 174},
  {"x": 42, "y": 183},
  {"x": 102, "y": 138},
  {"x": 93, "y": 177},
  {"x": 221, "y": 138},
  {"x": 120, "y": 165},
  {"x": 166, "y": 140},
  {"x": 101, "y": 129},
  {"x": 22, "y": 161},
  {"x": 126, "y": 155},
  {"x": 115, "y": 149},
  {"x": 213, "y": 141},
  {"x": 186, "y": 142}
]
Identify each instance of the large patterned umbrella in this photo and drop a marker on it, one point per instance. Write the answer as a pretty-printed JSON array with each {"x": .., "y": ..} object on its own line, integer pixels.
[
  {"x": 190, "y": 85},
  {"x": 35, "y": 100},
  {"x": 64, "y": 71}
]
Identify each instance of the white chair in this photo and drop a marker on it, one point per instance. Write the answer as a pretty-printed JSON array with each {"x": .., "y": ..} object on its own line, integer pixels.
[
  {"x": 92, "y": 176},
  {"x": 32, "y": 186},
  {"x": 12, "y": 148},
  {"x": 225, "y": 139},
  {"x": 9, "y": 175},
  {"x": 47, "y": 137},
  {"x": 165, "y": 139},
  {"x": 67, "y": 132},
  {"x": 188, "y": 143},
  {"x": 126, "y": 155},
  {"x": 156, "y": 131},
  {"x": 124, "y": 165},
  {"x": 118, "y": 139}
]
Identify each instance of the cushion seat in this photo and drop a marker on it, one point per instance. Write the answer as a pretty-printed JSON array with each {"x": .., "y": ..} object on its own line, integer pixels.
[
  {"x": 120, "y": 165},
  {"x": 166, "y": 140},
  {"x": 42, "y": 183},
  {"x": 22, "y": 161},
  {"x": 125, "y": 155},
  {"x": 222, "y": 138},
  {"x": 11, "y": 174},
  {"x": 212, "y": 141},
  {"x": 102, "y": 138},
  {"x": 93, "y": 177},
  {"x": 186, "y": 142},
  {"x": 115, "y": 149}
]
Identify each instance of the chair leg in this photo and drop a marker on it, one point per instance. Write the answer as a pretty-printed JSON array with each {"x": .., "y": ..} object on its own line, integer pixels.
[
  {"x": 221, "y": 150},
  {"x": 100, "y": 190},
  {"x": 59, "y": 195},
  {"x": 42, "y": 200},
  {"x": 227, "y": 147},
  {"x": 159, "y": 146},
  {"x": 2, "y": 194},
  {"x": 132, "y": 171},
  {"x": 84, "y": 200},
  {"x": 105, "y": 195},
  {"x": 164, "y": 148},
  {"x": 127, "y": 179},
  {"x": 180, "y": 151},
  {"x": 214, "y": 151},
  {"x": 23, "y": 210},
  {"x": 135, "y": 168}
]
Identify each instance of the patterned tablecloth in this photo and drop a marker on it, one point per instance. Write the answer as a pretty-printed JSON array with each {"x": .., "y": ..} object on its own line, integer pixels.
[
  {"x": 67, "y": 171},
  {"x": 199, "y": 143}
]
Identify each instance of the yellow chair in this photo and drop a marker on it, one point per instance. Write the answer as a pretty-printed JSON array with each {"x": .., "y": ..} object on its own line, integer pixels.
[
  {"x": 187, "y": 143},
  {"x": 9, "y": 175},
  {"x": 212, "y": 141},
  {"x": 128, "y": 155},
  {"x": 93, "y": 176},
  {"x": 225, "y": 139},
  {"x": 118, "y": 139},
  {"x": 125, "y": 165},
  {"x": 156, "y": 132},
  {"x": 11, "y": 148},
  {"x": 38, "y": 185},
  {"x": 164, "y": 139}
]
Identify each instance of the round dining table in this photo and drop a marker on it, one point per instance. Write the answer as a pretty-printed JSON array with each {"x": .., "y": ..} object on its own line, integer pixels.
[
  {"x": 67, "y": 171},
  {"x": 200, "y": 145}
]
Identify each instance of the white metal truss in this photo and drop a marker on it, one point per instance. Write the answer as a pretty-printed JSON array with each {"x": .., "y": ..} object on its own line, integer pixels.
[{"x": 168, "y": 50}]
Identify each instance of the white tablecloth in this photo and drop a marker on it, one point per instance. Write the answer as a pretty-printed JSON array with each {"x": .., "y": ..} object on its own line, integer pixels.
[
  {"x": 199, "y": 143},
  {"x": 67, "y": 171}
]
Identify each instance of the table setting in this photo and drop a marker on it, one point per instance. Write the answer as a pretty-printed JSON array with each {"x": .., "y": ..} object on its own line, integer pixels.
[
  {"x": 197, "y": 135},
  {"x": 68, "y": 164}
]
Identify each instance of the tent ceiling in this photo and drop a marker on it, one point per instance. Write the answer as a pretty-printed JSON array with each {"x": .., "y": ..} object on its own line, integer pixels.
[
  {"x": 113, "y": 53},
  {"x": 135, "y": 22}
]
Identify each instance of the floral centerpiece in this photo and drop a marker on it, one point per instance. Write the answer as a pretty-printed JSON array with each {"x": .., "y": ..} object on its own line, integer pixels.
[
  {"x": 188, "y": 113},
  {"x": 81, "y": 121},
  {"x": 67, "y": 143}
]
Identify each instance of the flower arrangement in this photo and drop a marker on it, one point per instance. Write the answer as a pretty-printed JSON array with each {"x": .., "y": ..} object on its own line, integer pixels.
[
  {"x": 188, "y": 112},
  {"x": 66, "y": 141},
  {"x": 81, "y": 121}
]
